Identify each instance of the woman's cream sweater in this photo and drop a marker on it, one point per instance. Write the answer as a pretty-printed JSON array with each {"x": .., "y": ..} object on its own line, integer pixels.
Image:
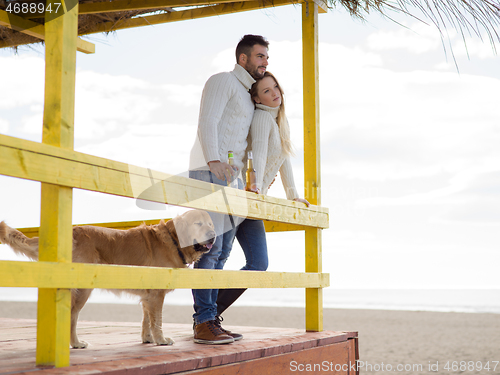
[{"x": 265, "y": 143}]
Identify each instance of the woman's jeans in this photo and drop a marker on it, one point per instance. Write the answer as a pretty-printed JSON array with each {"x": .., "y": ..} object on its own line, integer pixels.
[{"x": 251, "y": 236}]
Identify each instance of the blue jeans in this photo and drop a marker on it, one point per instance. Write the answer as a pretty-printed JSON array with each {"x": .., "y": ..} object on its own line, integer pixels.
[{"x": 252, "y": 238}]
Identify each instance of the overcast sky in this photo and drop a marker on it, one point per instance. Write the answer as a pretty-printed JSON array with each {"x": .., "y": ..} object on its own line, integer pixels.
[{"x": 409, "y": 145}]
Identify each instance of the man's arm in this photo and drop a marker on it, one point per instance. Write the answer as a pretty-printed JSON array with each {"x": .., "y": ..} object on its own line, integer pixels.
[
  {"x": 216, "y": 95},
  {"x": 223, "y": 171}
]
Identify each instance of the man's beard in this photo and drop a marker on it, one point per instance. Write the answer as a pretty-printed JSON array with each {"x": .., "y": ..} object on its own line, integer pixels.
[{"x": 256, "y": 74}]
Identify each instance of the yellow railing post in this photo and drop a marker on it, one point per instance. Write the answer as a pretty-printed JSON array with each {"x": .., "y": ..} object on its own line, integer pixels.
[
  {"x": 54, "y": 305},
  {"x": 312, "y": 178}
]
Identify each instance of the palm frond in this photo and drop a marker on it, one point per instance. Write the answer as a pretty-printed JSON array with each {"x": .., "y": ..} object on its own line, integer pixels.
[{"x": 473, "y": 17}]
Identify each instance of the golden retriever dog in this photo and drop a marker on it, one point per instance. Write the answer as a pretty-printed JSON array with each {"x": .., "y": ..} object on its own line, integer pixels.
[{"x": 175, "y": 243}]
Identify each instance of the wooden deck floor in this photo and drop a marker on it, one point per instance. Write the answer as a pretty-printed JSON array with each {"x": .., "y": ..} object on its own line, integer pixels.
[{"x": 116, "y": 348}]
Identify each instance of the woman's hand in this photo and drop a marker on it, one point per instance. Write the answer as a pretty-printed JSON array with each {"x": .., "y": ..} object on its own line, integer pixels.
[
  {"x": 303, "y": 201},
  {"x": 256, "y": 191}
]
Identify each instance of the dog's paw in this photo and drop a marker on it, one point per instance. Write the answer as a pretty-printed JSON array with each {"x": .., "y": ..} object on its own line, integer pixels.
[
  {"x": 79, "y": 345},
  {"x": 165, "y": 341},
  {"x": 147, "y": 338}
]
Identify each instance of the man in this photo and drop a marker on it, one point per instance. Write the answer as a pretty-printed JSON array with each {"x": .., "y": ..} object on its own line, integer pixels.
[{"x": 226, "y": 112}]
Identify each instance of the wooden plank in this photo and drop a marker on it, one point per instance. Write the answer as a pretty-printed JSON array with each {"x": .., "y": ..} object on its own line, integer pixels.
[
  {"x": 56, "y": 238},
  {"x": 270, "y": 226},
  {"x": 190, "y": 14},
  {"x": 314, "y": 297},
  {"x": 36, "y": 30},
  {"x": 128, "y": 5},
  {"x": 328, "y": 359},
  {"x": 20, "y": 24},
  {"x": 82, "y": 275},
  {"x": 85, "y": 46},
  {"x": 35, "y": 161},
  {"x": 322, "y": 6},
  {"x": 115, "y": 348},
  {"x": 353, "y": 355},
  {"x": 312, "y": 177},
  {"x": 310, "y": 61},
  {"x": 54, "y": 305}
]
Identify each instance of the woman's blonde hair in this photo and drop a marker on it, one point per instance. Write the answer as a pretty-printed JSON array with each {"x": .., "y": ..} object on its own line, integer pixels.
[{"x": 284, "y": 128}]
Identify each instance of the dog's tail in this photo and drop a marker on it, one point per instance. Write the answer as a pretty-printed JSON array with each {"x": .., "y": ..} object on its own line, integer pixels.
[{"x": 18, "y": 241}]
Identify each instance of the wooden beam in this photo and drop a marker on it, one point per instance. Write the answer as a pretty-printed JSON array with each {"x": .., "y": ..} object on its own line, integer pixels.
[
  {"x": 128, "y": 5},
  {"x": 85, "y": 46},
  {"x": 208, "y": 11},
  {"x": 131, "y": 5},
  {"x": 56, "y": 237},
  {"x": 36, "y": 30},
  {"x": 322, "y": 6},
  {"x": 22, "y": 25},
  {"x": 88, "y": 276},
  {"x": 312, "y": 177},
  {"x": 38, "y": 162},
  {"x": 312, "y": 168},
  {"x": 270, "y": 226}
]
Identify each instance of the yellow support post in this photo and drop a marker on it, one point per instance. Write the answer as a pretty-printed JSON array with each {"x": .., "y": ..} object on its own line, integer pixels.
[
  {"x": 312, "y": 178},
  {"x": 54, "y": 305}
]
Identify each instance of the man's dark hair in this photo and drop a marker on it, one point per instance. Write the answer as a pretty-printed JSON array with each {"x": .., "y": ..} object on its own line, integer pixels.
[{"x": 246, "y": 44}]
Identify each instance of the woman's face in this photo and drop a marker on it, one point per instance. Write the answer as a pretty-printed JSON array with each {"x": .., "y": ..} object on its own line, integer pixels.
[{"x": 268, "y": 92}]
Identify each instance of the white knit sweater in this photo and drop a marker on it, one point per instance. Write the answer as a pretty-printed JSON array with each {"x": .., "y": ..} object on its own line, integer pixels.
[
  {"x": 226, "y": 112},
  {"x": 268, "y": 155}
]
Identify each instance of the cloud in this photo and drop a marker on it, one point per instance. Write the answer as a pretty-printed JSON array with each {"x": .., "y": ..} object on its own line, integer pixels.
[
  {"x": 471, "y": 196},
  {"x": 391, "y": 262},
  {"x": 478, "y": 203},
  {"x": 21, "y": 99},
  {"x": 185, "y": 95},
  {"x": 107, "y": 105},
  {"x": 4, "y": 126},
  {"x": 162, "y": 147},
  {"x": 480, "y": 48},
  {"x": 478, "y": 211},
  {"x": 418, "y": 38},
  {"x": 26, "y": 91},
  {"x": 393, "y": 125},
  {"x": 486, "y": 184}
]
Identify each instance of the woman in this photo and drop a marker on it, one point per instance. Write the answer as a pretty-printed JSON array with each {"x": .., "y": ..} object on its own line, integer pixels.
[
  {"x": 269, "y": 140},
  {"x": 269, "y": 137}
]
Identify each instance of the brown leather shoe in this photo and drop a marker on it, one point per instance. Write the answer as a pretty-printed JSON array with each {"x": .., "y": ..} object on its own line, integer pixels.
[
  {"x": 234, "y": 335},
  {"x": 210, "y": 333}
]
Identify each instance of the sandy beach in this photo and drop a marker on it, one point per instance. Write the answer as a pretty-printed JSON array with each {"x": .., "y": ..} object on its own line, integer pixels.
[{"x": 385, "y": 337}]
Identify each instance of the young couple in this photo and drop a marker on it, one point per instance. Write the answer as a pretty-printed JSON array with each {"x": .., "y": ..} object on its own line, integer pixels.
[{"x": 240, "y": 110}]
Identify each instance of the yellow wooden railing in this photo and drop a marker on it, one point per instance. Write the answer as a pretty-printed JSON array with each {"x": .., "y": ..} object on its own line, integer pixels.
[{"x": 60, "y": 169}]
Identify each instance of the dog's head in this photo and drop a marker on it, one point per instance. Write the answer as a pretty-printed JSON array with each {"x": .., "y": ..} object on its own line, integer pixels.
[{"x": 195, "y": 230}]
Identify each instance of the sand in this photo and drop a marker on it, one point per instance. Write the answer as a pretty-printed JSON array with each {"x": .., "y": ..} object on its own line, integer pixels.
[{"x": 417, "y": 339}]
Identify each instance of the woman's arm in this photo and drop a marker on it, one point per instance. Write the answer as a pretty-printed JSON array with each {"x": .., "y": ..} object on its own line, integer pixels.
[{"x": 260, "y": 131}]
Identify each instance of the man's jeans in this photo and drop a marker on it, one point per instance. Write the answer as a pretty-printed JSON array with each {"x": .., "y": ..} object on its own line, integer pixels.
[{"x": 251, "y": 236}]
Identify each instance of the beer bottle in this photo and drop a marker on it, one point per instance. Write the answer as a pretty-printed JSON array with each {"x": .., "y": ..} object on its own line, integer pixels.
[
  {"x": 251, "y": 178},
  {"x": 234, "y": 179}
]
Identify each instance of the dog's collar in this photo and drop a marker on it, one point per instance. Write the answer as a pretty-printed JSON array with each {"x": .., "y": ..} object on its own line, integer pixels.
[{"x": 176, "y": 244}]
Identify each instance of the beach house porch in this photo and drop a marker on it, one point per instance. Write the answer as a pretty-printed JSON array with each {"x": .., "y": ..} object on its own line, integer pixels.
[{"x": 116, "y": 349}]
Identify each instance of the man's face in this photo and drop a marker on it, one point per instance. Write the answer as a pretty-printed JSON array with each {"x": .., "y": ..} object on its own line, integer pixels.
[{"x": 256, "y": 63}]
